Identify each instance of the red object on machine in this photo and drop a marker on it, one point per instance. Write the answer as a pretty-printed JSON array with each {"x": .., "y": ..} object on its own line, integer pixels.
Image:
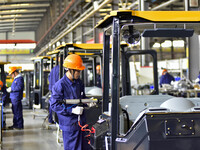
[{"x": 1, "y": 84}]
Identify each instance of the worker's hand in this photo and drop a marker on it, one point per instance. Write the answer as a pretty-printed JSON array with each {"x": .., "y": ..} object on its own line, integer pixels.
[
  {"x": 8, "y": 89},
  {"x": 197, "y": 80},
  {"x": 77, "y": 110},
  {"x": 91, "y": 104}
]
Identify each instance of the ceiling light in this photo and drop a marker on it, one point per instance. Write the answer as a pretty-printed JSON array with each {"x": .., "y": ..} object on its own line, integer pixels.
[
  {"x": 156, "y": 45},
  {"x": 103, "y": 10}
]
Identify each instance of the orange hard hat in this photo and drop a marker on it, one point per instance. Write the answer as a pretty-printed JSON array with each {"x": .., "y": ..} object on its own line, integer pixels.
[
  {"x": 98, "y": 67},
  {"x": 164, "y": 70},
  {"x": 11, "y": 70},
  {"x": 1, "y": 84},
  {"x": 74, "y": 61}
]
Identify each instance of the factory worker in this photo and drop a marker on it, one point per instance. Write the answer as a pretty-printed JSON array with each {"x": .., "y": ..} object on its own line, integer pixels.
[
  {"x": 198, "y": 79},
  {"x": 98, "y": 69},
  {"x": 53, "y": 78},
  {"x": 4, "y": 93},
  {"x": 166, "y": 78},
  {"x": 70, "y": 87},
  {"x": 16, "y": 95}
]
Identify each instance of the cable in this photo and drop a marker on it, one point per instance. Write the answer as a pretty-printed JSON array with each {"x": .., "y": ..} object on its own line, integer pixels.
[{"x": 83, "y": 128}]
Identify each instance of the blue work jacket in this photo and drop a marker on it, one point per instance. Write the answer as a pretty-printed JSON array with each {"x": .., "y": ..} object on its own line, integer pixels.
[
  {"x": 199, "y": 78},
  {"x": 166, "y": 79},
  {"x": 66, "y": 89},
  {"x": 53, "y": 77},
  {"x": 99, "y": 81},
  {"x": 17, "y": 88},
  {"x": 4, "y": 93}
]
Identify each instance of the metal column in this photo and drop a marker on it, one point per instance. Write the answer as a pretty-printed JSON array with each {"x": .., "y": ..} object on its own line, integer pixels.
[
  {"x": 194, "y": 55},
  {"x": 115, "y": 82},
  {"x": 106, "y": 49},
  {"x": 94, "y": 71}
]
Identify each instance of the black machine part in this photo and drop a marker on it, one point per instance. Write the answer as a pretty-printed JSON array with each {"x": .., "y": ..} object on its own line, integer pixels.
[
  {"x": 97, "y": 139},
  {"x": 163, "y": 131},
  {"x": 168, "y": 32}
]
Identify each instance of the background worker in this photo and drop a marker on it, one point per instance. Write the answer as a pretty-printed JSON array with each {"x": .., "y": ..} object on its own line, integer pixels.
[
  {"x": 4, "y": 92},
  {"x": 70, "y": 87},
  {"x": 53, "y": 78},
  {"x": 166, "y": 78},
  {"x": 198, "y": 79},
  {"x": 98, "y": 69},
  {"x": 3, "y": 95},
  {"x": 16, "y": 95}
]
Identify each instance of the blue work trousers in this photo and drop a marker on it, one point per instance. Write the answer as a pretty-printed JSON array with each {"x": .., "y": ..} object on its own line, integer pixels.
[
  {"x": 50, "y": 117},
  {"x": 75, "y": 140},
  {"x": 18, "y": 121}
]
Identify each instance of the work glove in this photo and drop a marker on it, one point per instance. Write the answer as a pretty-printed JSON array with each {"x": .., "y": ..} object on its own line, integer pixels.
[
  {"x": 8, "y": 89},
  {"x": 197, "y": 80},
  {"x": 77, "y": 110}
]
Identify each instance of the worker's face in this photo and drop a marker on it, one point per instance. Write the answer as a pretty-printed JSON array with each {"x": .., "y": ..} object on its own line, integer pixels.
[
  {"x": 77, "y": 74},
  {"x": 164, "y": 73},
  {"x": 13, "y": 75},
  {"x": 98, "y": 71}
]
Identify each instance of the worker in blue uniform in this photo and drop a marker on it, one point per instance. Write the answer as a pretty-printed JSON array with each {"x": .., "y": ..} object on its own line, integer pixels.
[
  {"x": 16, "y": 95},
  {"x": 98, "y": 69},
  {"x": 166, "y": 78},
  {"x": 70, "y": 87},
  {"x": 53, "y": 78},
  {"x": 4, "y": 93},
  {"x": 198, "y": 79}
]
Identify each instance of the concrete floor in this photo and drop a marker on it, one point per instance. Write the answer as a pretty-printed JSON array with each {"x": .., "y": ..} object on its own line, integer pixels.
[{"x": 33, "y": 137}]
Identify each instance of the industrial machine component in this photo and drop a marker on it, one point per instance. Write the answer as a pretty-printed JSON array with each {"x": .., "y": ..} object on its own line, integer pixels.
[
  {"x": 178, "y": 104},
  {"x": 101, "y": 130},
  {"x": 131, "y": 36},
  {"x": 40, "y": 82},
  {"x": 150, "y": 131},
  {"x": 161, "y": 129},
  {"x": 28, "y": 80},
  {"x": 168, "y": 32},
  {"x": 78, "y": 101}
]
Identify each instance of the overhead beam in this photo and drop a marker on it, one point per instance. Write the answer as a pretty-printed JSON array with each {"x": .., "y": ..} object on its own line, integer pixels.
[
  {"x": 164, "y": 5},
  {"x": 22, "y": 11},
  {"x": 22, "y": 1},
  {"x": 20, "y": 20},
  {"x": 19, "y": 24},
  {"x": 18, "y": 27},
  {"x": 18, "y": 30},
  {"x": 21, "y": 16},
  {"x": 89, "y": 13},
  {"x": 22, "y": 6}
]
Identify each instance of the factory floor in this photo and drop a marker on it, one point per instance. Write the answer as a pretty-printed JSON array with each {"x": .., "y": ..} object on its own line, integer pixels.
[{"x": 36, "y": 135}]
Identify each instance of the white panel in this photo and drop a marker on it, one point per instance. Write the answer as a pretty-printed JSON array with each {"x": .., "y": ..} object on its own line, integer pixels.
[
  {"x": 22, "y": 35},
  {"x": 17, "y": 59},
  {"x": 146, "y": 75},
  {"x": 2, "y": 36},
  {"x": 24, "y": 66}
]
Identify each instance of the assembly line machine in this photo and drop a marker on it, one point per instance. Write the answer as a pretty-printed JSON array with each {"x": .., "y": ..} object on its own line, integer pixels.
[
  {"x": 40, "y": 81},
  {"x": 158, "y": 121},
  {"x": 3, "y": 79}
]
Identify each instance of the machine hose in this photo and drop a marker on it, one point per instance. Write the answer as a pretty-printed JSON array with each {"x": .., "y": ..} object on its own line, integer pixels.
[{"x": 127, "y": 116}]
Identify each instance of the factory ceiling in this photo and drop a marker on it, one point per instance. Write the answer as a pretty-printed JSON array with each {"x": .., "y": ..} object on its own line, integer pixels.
[
  {"x": 22, "y": 15},
  {"x": 53, "y": 20}
]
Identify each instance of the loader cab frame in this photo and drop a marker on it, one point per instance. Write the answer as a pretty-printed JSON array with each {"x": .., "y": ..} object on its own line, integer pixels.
[
  {"x": 114, "y": 23},
  {"x": 40, "y": 81},
  {"x": 89, "y": 54},
  {"x": 28, "y": 82}
]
